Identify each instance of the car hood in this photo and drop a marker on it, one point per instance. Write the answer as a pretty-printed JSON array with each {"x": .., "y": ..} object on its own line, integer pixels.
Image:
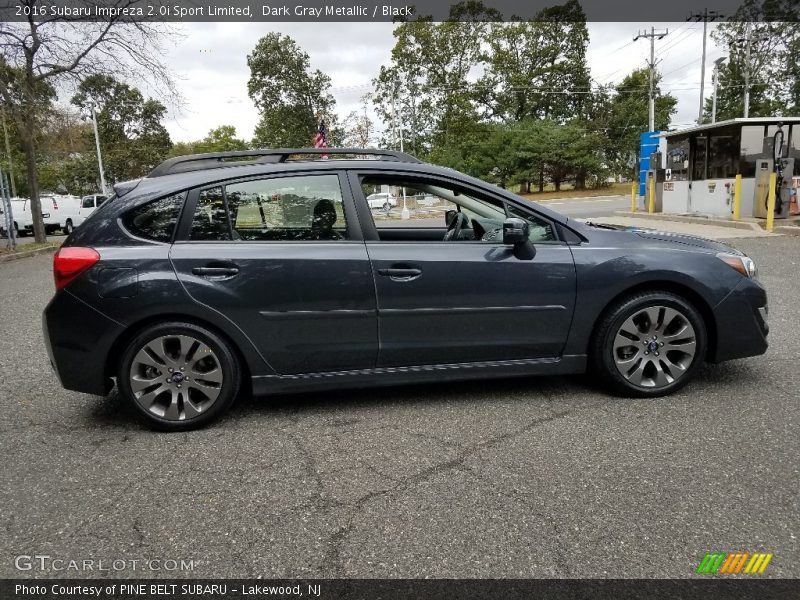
[{"x": 671, "y": 238}]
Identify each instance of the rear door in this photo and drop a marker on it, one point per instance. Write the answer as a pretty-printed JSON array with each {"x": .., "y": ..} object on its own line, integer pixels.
[
  {"x": 466, "y": 298},
  {"x": 283, "y": 258}
]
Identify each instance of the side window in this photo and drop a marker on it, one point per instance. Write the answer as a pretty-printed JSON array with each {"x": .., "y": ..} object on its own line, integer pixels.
[
  {"x": 303, "y": 208},
  {"x": 540, "y": 230},
  {"x": 88, "y": 202},
  {"x": 210, "y": 221},
  {"x": 402, "y": 208},
  {"x": 100, "y": 200},
  {"x": 155, "y": 220}
]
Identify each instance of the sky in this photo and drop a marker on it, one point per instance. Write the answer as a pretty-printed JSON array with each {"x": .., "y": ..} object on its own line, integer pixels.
[{"x": 210, "y": 63}]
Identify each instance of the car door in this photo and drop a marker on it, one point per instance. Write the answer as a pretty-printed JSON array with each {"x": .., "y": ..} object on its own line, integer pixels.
[
  {"x": 283, "y": 258},
  {"x": 465, "y": 300}
]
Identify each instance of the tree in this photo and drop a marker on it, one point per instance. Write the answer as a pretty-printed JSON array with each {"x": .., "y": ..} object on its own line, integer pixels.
[
  {"x": 290, "y": 96},
  {"x": 629, "y": 115},
  {"x": 132, "y": 138},
  {"x": 357, "y": 130},
  {"x": 774, "y": 72},
  {"x": 37, "y": 54},
  {"x": 537, "y": 68},
  {"x": 219, "y": 139}
]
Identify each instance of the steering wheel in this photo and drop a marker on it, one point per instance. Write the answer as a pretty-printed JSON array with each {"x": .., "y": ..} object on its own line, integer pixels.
[{"x": 457, "y": 224}]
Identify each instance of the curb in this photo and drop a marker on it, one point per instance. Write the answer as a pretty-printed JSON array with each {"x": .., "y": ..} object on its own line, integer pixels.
[
  {"x": 787, "y": 230},
  {"x": 697, "y": 220},
  {"x": 18, "y": 255},
  {"x": 570, "y": 198}
]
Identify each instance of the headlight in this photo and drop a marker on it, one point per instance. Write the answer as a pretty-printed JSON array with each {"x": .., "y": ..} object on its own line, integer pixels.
[{"x": 743, "y": 264}]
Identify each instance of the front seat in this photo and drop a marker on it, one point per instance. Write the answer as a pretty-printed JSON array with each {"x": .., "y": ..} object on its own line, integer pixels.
[{"x": 322, "y": 221}]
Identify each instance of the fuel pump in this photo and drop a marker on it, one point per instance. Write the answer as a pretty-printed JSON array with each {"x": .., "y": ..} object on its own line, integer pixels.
[{"x": 783, "y": 167}]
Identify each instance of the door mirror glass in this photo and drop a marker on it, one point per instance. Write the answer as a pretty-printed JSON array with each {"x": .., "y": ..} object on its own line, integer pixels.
[{"x": 515, "y": 231}]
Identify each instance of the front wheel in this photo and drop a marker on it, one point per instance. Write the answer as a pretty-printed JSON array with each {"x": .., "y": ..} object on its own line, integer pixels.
[
  {"x": 179, "y": 376},
  {"x": 649, "y": 344},
  {"x": 68, "y": 228}
]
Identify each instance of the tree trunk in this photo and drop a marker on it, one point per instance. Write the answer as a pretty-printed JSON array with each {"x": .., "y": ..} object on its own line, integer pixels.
[
  {"x": 28, "y": 145},
  {"x": 580, "y": 180},
  {"x": 541, "y": 178}
]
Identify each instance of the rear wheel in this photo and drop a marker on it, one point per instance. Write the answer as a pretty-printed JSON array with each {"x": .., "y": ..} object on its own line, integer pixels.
[
  {"x": 649, "y": 344},
  {"x": 68, "y": 228},
  {"x": 179, "y": 376}
]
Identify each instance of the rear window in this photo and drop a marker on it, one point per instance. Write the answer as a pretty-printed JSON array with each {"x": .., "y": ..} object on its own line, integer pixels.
[{"x": 154, "y": 220}]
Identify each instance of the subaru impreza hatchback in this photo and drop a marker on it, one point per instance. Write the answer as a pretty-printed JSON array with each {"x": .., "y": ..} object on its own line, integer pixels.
[{"x": 267, "y": 270}]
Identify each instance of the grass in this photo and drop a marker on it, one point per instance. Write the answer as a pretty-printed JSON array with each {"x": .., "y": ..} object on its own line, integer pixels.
[
  {"x": 615, "y": 189},
  {"x": 4, "y": 251}
]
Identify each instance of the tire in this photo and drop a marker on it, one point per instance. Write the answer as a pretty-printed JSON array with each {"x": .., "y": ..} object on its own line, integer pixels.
[
  {"x": 387, "y": 207},
  {"x": 668, "y": 343},
  {"x": 180, "y": 402},
  {"x": 68, "y": 228},
  {"x": 20, "y": 233}
]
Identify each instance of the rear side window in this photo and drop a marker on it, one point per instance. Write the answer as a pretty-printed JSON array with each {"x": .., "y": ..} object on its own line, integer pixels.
[
  {"x": 300, "y": 208},
  {"x": 155, "y": 220}
]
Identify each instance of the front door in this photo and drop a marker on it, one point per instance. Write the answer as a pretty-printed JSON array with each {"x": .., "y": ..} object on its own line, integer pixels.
[
  {"x": 449, "y": 291},
  {"x": 280, "y": 257}
]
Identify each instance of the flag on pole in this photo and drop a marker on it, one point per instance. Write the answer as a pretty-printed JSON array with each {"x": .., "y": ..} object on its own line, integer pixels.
[{"x": 321, "y": 139}]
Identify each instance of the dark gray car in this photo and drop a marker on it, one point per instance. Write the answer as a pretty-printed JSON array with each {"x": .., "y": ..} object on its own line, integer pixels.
[{"x": 268, "y": 270}]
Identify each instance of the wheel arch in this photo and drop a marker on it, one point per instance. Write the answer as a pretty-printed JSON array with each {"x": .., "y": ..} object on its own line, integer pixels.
[
  {"x": 679, "y": 289},
  {"x": 118, "y": 347}
]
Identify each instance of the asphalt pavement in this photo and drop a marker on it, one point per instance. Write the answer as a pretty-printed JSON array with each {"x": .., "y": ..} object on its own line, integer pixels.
[{"x": 535, "y": 477}]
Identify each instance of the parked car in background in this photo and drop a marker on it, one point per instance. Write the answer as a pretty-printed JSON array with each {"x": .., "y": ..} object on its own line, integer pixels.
[
  {"x": 58, "y": 213},
  {"x": 91, "y": 202},
  {"x": 17, "y": 215},
  {"x": 382, "y": 200},
  {"x": 190, "y": 286}
]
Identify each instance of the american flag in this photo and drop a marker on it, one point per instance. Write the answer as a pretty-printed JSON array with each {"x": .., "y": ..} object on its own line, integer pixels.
[{"x": 320, "y": 140}]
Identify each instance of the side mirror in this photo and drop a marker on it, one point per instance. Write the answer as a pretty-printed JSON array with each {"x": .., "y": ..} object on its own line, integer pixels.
[{"x": 516, "y": 232}]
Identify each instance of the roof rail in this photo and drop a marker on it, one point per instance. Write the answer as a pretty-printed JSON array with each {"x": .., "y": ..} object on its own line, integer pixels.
[{"x": 197, "y": 162}]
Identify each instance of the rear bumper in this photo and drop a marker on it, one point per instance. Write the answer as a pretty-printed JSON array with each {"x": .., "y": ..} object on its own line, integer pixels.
[
  {"x": 78, "y": 341},
  {"x": 742, "y": 325}
]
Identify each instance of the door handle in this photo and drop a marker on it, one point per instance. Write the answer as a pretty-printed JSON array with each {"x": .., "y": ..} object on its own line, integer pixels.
[
  {"x": 218, "y": 271},
  {"x": 401, "y": 273}
]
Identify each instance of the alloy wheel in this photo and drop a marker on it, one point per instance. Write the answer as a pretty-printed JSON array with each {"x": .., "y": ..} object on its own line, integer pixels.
[
  {"x": 176, "y": 377},
  {"x": 655, "y": 346}
]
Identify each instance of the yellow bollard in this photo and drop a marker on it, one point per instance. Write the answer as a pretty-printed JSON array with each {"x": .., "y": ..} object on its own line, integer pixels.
[
  {"x": 773, "y": 181},
  {"x": 633, "y": 197},
  {"x": 651, "y": 200},
  {"x": 737, "y": 198}
]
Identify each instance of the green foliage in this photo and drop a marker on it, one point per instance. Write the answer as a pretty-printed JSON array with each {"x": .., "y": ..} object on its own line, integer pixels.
[
  {"x": 290, "y": 96},
  {"x": 220, "y": 139},
  {"x": 132, "y": 138},
  {"x": 628, "y": 116},
  {"x": 774, "y": 61}
]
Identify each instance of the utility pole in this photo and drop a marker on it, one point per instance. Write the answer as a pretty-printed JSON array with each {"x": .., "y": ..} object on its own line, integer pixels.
[
  {"x": 99, "y": 156},
  {"x": 747, "y": 42},
  {"x": 705, "y": 17},
  {"x": 715, "y": 80},
  {"x": 652, "y": 64}
]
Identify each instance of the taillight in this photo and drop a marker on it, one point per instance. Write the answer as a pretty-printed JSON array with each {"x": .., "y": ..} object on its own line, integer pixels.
[
  {"x": 55, "y": 204},
  {"x": 70, "y": 262}
]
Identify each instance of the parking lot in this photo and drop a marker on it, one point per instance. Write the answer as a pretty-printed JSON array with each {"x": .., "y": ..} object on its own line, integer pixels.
[{"x": 536, "y": 477}]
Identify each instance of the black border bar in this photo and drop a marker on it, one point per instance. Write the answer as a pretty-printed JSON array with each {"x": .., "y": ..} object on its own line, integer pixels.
[
  {"x": 401, "y": 589},
  {"x": 318, "y": 11}
]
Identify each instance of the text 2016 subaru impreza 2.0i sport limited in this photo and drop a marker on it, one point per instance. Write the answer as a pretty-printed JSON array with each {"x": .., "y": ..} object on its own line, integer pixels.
[{"x": 269, "y": 270}]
